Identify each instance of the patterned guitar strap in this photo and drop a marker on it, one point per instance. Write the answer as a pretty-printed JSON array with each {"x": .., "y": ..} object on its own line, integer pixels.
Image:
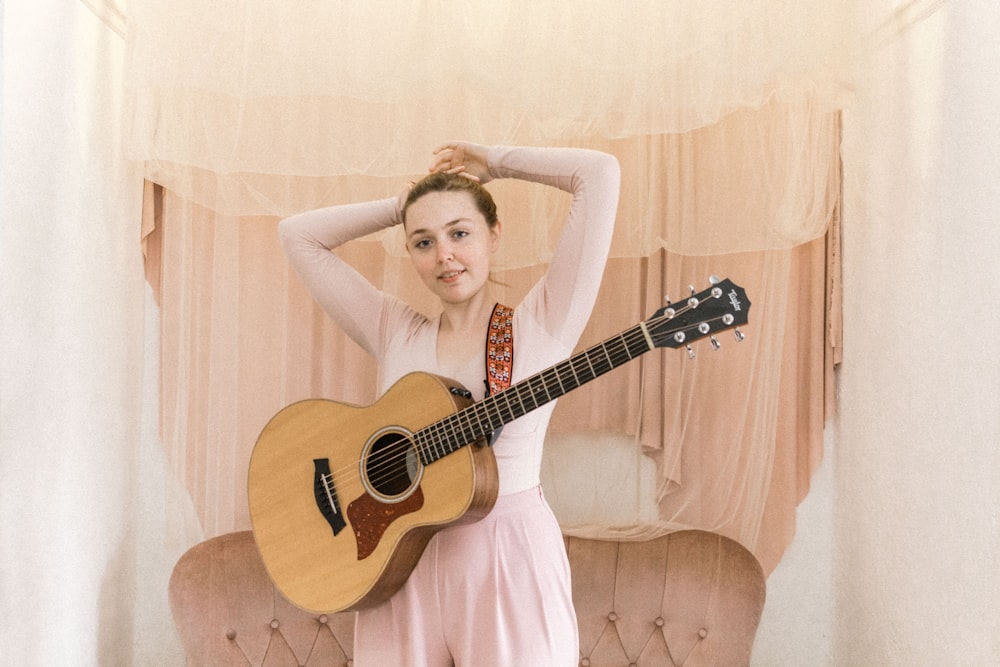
[
  {"x": 499, "y": 355},
  {"x": 499, "y": 349}
]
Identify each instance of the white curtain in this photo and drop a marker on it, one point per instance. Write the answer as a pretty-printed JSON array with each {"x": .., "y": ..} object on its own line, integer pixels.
[{"x": 90, "y": 521}]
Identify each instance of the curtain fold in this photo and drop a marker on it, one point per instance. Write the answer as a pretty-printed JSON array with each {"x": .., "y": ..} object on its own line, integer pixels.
[
  {"x": 723, "y": 117},
  {"x": 332, "y": 88},
  {"x": 734, "y": 434}
]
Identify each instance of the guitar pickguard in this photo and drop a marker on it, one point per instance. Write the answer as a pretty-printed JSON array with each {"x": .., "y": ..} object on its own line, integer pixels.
[{"x": 370, "y": 518}]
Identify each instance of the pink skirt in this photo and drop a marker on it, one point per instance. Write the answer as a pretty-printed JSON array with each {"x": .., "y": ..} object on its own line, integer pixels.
[{"x": 496, "y": 592}]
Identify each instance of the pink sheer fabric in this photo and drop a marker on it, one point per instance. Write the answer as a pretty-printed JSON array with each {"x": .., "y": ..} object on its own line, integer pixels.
[
  {"x": 734, "y": 434},
  {"x": 723, "y": 118}
]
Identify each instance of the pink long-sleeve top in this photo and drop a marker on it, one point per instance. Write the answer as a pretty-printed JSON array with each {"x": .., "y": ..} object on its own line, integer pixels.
[{"x": 547, "y": 322}]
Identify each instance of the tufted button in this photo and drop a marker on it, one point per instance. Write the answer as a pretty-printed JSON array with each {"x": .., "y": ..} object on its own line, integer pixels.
[
  {"x": 703, "y": 633},
  {"x": 585, "y": 662},
  {"x": 659, "y": 622},
  {"x": 612, "y": 616},
  {"x": 323, "y": 619},
  {"x": 231, "y": 635},
  {"x": 274, "y": 624}
]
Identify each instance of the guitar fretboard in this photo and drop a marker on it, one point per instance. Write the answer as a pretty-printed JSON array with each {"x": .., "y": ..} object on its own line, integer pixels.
[{"x": 483, "y": 418}]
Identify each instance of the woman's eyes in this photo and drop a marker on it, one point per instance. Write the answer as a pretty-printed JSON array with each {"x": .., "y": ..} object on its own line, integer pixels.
[{"x": 427, "y": 243}]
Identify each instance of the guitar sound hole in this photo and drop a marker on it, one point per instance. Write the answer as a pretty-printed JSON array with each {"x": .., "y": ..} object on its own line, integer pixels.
[{"x": 392, "y": 466}]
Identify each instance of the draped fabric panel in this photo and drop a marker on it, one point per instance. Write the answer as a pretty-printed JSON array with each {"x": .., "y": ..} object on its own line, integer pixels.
[
  {"x": 723, "y": 117},
  {"x": 331, "y": 88},
  {"x": 91, "y": 521},
  {"x": 241, "y": 339}
]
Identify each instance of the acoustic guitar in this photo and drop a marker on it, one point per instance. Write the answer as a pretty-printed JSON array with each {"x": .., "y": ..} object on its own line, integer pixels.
[{"x": 343, "y": 498}]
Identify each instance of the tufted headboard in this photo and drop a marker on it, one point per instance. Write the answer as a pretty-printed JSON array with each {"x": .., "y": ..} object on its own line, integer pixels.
[{"x": 690, "y": 598}]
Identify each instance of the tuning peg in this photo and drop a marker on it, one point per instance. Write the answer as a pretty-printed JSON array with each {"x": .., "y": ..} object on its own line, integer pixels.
[
  {"x": 715, "y": 342},
  {"x": 739, "y": 335},
  {"x": 690, "y": 350},
  {"x": 668, "y": 312},
  {"x": 714, "y": 280},
  {"x": 693, "y": 290}
]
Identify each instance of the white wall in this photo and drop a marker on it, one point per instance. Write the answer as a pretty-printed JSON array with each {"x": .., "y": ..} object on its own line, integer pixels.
[
  {"x": 74, "y": 554},
  {"x": 799, "y": 615}
]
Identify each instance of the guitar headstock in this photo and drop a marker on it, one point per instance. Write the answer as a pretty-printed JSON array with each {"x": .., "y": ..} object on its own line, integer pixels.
[{"x": 722, "y": 306}]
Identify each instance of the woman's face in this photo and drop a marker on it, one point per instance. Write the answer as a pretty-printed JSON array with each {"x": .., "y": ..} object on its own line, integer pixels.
[{"x": 450, "y": 244}]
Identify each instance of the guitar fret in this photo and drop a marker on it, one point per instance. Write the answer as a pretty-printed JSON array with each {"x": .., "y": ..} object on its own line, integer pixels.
[
  {"x": 468, "y": 430},
  {"x": 553, "y": 373},
  {"x": 576, "y": 379},
  {"x": 426, "y": 446},
  {"x": 438, "y": 432},
  {"x": 491, "y": 419},
  {"x": 464, "y": 433},
  {"x": 483, "y": 415},
  {"x": 587, "y": 371},
  {"x": 511, "y": 415},
  {"x": 641, "y": 339},
  {"x": 519, "y": 409},
  {"x": 625, "y": 346},
  {"x": 545, "y": 388},
  {"x": 527, "y": 393},
  {"x": 604, "y": 348},
  {"x": 447, "y": 434},
  {"x": 501, "y": 416}
]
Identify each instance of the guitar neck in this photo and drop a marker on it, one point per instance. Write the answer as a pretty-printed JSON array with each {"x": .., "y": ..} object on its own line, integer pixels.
[{"x": 483, "y": 418}]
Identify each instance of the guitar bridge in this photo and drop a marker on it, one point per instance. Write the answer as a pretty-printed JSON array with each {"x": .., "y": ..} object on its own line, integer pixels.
[{"x": 326, "y": 495}]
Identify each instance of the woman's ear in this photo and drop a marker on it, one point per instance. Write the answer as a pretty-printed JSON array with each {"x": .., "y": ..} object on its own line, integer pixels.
[{"x": 496, "y": 231}]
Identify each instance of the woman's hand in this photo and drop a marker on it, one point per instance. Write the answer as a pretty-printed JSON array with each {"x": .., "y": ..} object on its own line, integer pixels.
[{"x": 460, "y": 157}]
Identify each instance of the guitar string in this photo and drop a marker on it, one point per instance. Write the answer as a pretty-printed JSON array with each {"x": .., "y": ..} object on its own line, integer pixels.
[{"x": 386, "y": 463}]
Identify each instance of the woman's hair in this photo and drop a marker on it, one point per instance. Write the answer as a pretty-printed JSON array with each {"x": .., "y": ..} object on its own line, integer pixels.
[{"x": 445, "y": 182}]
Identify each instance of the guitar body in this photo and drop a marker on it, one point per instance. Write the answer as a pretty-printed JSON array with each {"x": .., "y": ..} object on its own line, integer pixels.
[{"x": 341, "y": 503}]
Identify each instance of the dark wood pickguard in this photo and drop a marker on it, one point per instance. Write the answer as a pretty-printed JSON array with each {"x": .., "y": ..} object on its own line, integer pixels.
[{"x": 369, "y": 518}]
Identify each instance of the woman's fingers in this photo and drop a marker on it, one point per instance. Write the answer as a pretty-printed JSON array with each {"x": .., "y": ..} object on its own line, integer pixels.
[
  {"x": 457, "y": 157},
  {"x": 448, "y": 157}
]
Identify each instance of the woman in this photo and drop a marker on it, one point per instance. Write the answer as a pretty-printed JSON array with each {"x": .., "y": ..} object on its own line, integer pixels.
[{"x": 495, "y": 592}]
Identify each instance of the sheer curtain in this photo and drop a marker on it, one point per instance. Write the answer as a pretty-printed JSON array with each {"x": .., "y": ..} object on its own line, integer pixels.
[
  {"x": 723, "y": 118},
  {"x": 91, "y": 520}
]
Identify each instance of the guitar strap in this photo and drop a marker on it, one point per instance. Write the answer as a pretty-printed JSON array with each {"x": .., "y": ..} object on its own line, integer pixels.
[{"x": 499, "y": 349}]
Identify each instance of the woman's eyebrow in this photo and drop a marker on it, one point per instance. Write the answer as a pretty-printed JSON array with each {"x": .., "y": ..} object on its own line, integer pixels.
[{"x": 451, "y": 223}]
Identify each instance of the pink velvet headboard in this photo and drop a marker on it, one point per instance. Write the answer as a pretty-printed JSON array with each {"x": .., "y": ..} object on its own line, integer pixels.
[{"x": 691, "y": 598}]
